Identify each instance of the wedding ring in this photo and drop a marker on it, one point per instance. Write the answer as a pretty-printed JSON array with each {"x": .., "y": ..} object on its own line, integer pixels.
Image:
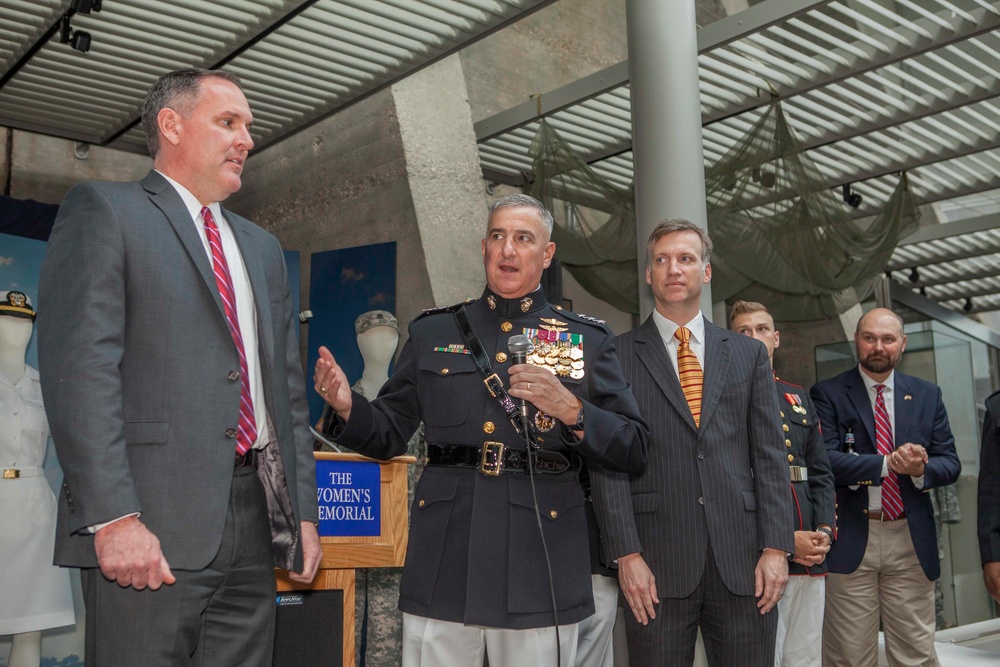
[
  {"x": 322, "y": 390},
  {"x": 529, "y": 386}
]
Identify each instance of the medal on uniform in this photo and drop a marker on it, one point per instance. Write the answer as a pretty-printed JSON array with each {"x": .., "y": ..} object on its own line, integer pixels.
[
  {"x": 453, "y": 348},
  {"x": 543, "y": 422},
  {"x": 796, "y": 402},
  {"x": 556, "y": 349}
]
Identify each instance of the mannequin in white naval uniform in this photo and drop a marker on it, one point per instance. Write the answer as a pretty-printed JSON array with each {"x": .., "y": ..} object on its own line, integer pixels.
[{"x": 36, "y": 594}]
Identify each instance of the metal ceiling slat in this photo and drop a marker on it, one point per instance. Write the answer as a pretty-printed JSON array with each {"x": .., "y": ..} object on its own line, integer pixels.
[{"x": 317, "y": 33}]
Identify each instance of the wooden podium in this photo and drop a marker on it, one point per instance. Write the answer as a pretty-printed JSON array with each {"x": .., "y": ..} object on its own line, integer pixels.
[{"x": 343, "y": 555}]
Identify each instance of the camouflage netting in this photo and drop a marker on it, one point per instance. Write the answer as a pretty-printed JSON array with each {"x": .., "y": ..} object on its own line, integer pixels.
[
  {"x": 595, "y": 240},
  {"x": 782, "y": 236}
]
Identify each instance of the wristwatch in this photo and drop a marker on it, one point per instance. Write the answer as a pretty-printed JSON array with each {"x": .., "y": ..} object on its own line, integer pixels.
[
  {"x": 578, "y": 426},
  {"x": 828, "y": 531}
]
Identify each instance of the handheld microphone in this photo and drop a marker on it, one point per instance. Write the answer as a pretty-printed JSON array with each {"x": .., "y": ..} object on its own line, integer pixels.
[{"x": 520, "y": 347}]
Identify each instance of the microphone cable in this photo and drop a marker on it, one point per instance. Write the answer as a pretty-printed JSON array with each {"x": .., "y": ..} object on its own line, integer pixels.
[{"x": 520, "y": 347}]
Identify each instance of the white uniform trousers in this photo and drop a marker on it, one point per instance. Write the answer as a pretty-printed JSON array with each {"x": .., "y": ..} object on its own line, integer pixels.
[
  {"x": 428, "y": 642},
  {"x": 800, "y": 623},
  {"x": 596, "y": 632}
]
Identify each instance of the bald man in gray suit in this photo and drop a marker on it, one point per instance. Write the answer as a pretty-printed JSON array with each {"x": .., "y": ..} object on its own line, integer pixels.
[
  {"x": 702, "y": 535},
  {"x": 173, "y": 384}
]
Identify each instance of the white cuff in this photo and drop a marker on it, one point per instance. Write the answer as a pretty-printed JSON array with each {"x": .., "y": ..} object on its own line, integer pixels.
[{"x": 97, "y": 526}]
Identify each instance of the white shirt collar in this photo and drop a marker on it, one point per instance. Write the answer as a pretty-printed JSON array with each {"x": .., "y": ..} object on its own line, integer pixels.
[
  {"x": 668, "y": 328},
  {"x": 190, "y": 201},
  {"x": 870, "y": 383}
]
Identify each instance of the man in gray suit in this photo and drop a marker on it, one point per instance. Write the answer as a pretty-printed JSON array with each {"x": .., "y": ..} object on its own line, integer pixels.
[
  {"x": 171, "y": 373},
  {"x": 702, "y": 535}
]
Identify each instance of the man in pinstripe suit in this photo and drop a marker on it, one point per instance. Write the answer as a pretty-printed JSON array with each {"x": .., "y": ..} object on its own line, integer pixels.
[{"x": 702, "y": 534}]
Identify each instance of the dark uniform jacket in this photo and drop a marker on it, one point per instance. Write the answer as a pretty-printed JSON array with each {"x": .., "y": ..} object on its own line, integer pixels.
[
  {"x": 812, "y": 496},
  {"x": 474, "y": 553},
  {"x": 989, "y": 483}
]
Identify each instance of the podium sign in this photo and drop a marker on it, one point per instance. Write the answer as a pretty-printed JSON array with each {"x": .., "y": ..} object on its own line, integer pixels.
[
  {"x": 350, "y": 498},
  {"x": 363, "y": 523}
]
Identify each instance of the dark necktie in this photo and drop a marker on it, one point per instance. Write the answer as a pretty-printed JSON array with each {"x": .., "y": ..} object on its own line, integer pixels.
[{"x": 246, "y": 432}]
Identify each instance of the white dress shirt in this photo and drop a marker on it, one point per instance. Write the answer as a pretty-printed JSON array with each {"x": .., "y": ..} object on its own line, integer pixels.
[
  {"x": 875, "y": 492},
  {"x": 246, "y": 311},
  {"x": 697, "y": 342}
]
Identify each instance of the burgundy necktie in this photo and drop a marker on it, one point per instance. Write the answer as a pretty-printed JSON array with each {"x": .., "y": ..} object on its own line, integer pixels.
[
  {"x": 246, "y": 434},
  {"x": 892, "y": 502}
]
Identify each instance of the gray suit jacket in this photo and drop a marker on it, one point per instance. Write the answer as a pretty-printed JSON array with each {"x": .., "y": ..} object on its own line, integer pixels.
[
  {"x": 136, "y": 360},
  {"x": 725, "y": 483}
]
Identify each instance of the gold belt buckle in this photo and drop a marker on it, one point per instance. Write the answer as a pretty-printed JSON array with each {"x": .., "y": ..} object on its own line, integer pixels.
[
  {"x": 11, "y": 473},
  {"x": 492, "y": 461},
  {"x": 488, "y": 381}
]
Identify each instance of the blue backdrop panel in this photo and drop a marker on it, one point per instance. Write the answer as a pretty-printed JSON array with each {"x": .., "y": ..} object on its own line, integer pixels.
[
  {"x": 20, "y": 264},
  {"x": 342, "y": 285}
]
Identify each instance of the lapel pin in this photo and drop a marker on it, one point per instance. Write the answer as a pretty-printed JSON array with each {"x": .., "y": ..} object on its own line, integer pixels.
[{"x": 907, "y": 398}]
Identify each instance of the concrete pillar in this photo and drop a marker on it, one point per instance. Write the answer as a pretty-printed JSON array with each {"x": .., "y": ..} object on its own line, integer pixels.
[
  {"x": 397, "y": 166},
  {"x": 5, "y": 136},
  {"x": 446, "y": 185},
  {"x": 666, "y": 123}
]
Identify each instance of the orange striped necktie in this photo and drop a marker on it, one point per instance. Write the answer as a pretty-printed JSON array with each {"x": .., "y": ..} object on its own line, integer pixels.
[{"x": 690, "y": 373}]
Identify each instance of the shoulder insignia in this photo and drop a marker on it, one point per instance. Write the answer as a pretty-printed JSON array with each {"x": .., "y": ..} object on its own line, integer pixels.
[
  {"x": 440, "y": 310},
  {"x": 790, "y": 384},
  {"x": 586, "y": 319}
]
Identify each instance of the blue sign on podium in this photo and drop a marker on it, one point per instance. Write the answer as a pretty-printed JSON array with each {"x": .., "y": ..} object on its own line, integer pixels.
[{"x": 349, "y": 497}]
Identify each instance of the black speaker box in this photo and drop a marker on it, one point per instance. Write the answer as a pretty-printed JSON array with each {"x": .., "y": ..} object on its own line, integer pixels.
[{"x": 309, "y": 629}]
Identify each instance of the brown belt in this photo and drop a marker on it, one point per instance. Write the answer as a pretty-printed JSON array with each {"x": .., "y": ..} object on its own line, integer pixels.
[{"x": 879, "y": 515}]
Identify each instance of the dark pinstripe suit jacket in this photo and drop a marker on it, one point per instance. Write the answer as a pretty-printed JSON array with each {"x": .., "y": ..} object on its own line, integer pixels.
[{"x": 726, "y": 482}]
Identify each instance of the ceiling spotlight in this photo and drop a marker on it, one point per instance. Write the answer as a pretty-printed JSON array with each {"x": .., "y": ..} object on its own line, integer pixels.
[
  {"x": 914, "y": 275},
  {"x": 85, "y": 6},
  {"x": 851, "y": 198},
  {"x": 968, "y": 305},
  {"x": 78, "y": 39}
]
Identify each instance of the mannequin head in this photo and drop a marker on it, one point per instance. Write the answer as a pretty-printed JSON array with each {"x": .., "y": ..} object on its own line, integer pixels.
[
  {"x": 378, "y": 336},
  {"x": 16, "y": 322},
  {"x": 378, "y": 345}
]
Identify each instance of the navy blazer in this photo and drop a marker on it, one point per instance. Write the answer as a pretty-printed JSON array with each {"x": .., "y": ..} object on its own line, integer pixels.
[
  {"x": 989, "y": 483},
  {"x": 844, "y": 411}
]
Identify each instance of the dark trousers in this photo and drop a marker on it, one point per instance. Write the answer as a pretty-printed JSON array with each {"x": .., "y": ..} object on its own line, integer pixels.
[
  {"x": 222, "y": 616},
  {"x": 735, "y": 632}
]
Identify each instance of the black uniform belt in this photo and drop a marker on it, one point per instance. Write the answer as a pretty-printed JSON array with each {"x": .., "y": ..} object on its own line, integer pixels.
[{"x": 494, "y": 458}]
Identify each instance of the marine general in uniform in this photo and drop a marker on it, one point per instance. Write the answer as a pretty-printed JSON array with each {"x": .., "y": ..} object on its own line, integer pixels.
[
  {"x": 477, "y": 577},
  {"x": 800, "y": 610}
]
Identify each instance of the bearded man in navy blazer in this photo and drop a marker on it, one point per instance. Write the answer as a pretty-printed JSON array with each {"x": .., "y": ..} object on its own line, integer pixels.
[
  {"x": 889, "y": 442},
  {"x": 171, "y": 372}
]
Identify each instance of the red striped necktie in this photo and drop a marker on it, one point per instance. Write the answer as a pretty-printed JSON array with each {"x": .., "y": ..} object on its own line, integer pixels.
[
  {"x": 892, "y": 501},
  {"x": 246, "y": 433},
  {"x": 689, "y": 372}
]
